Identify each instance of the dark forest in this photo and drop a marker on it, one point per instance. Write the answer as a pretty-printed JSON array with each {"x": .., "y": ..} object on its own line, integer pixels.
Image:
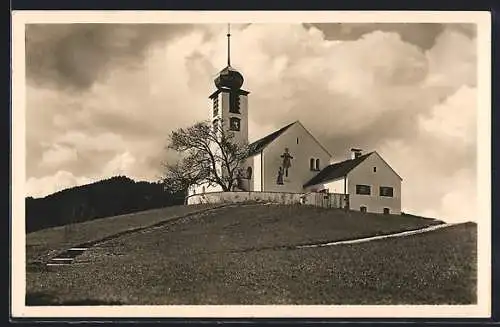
[{"x": 110, "y": 197}]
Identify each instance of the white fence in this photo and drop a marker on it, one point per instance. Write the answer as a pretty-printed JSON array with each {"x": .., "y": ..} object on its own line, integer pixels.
[{"x": 325, "y": 200}]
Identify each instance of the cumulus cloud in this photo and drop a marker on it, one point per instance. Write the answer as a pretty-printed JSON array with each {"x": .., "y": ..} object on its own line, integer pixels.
[
  {"x": 58, "y": 155},
  {"x": 75, "y": 55},
  {"x": 405, "y": 90},
  {"x": 39, "y": 187}
]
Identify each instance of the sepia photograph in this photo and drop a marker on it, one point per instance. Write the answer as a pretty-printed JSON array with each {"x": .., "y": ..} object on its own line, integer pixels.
[{"x": 263, "y": 164}]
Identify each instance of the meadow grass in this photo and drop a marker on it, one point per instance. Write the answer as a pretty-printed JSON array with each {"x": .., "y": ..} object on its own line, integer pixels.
[
  {"x": 235, "y": 256},
  {"x": 41, "y": 243}
]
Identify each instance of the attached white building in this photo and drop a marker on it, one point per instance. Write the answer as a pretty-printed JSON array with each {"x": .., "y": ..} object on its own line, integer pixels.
[
  {"x": 291, "y": 160},
  {"x": 372, "y": 185}
]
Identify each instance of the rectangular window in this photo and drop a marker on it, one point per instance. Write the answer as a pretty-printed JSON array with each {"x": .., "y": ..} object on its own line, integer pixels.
[
  {"x": 234, "y": 103},
  {"x": 386, "y": 191},
  {"x": 216, "y": 107},
  {"x": 363, "y": 189}
]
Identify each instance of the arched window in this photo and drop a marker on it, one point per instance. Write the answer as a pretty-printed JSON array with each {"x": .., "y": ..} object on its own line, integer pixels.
[
  {"x": 249, "y": 172},
  {"x": 311, "y": 164},
  {"x": 317, "y": 164},
  {"x": 203, "y": 189},
  {"x": 234, "y": 124}
]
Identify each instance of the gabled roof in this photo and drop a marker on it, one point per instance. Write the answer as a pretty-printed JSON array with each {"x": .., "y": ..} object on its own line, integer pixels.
[
  {"x": 337, "y": 170},
  {"x": 260, "y": 144}
]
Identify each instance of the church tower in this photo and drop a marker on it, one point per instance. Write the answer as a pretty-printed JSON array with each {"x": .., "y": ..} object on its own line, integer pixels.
[{"x": 230, "y": 101}]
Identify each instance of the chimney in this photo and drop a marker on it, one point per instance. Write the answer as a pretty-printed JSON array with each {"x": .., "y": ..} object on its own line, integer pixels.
[{"x": 355, "y": 153}]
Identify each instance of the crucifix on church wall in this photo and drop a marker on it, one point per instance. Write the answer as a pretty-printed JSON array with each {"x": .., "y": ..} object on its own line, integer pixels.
[
  {"x": 287, "y": 161},
  {"x": 286, "y": 164}
]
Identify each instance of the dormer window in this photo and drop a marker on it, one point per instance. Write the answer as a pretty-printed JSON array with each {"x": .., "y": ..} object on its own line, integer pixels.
[{"x": 234, "y": 124}]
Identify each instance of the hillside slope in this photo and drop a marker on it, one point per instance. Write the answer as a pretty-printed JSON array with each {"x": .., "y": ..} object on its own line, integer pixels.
[
  {"x": 243, "y": 255},
  {"x": 43, "y": 242},
  {"x": 239, "y": 227}
]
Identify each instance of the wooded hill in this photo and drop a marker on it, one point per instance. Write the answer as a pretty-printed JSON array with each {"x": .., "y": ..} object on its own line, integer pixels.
[{"x": 110, "y": 197}]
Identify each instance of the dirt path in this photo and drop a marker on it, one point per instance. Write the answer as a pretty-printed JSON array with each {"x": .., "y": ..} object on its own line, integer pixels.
[{"x": 379, "y": 237}]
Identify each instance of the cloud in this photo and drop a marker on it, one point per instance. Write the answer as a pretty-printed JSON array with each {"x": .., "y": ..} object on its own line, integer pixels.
[
  {"x": 39, "y": 187},
  {"x": 454, "y": 121},
  {"x": 58, "y": 155},
  {"x": 443, "y": 162},
  {"x": 422, "y": 35},
  {"x": 75, "y": 55},
  {"x": 405, "y": 90}
]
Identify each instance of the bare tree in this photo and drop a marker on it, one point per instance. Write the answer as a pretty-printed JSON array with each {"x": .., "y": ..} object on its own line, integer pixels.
[{"x": 209, "y": 154}]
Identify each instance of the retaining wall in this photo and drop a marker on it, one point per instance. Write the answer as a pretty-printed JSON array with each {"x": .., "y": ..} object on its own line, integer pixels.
[{"x": 273, "y": 197}]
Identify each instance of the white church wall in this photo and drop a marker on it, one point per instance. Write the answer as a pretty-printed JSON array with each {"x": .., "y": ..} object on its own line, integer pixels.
[
  {"x": 257, "y": 173},
  {"x": 302, "y": 151},
  {"x": 248, "y": 171},
  {"x": 204, "y": 188},
  {"x": 335, "y": 186},
  {"x": 364, "y": 174}
]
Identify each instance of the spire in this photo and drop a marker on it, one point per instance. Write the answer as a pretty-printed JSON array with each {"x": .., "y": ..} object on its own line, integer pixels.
[
  {"x": 229, "y": 77},
  {"x": 229, "y": 45}
]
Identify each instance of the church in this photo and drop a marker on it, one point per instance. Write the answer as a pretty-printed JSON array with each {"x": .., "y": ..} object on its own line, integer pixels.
[{"x": 292, "y": 161}]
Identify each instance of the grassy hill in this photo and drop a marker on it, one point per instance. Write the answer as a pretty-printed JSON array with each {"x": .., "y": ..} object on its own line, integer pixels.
[
  {"x": 247, "y": 255},
  {"x": 42, "y": 244}
]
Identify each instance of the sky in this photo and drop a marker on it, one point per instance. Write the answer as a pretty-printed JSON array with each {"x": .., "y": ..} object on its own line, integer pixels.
[{"x": 101, "y": 99}]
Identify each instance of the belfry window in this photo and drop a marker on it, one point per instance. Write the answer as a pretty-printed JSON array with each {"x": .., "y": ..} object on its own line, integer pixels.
[
  {"x": 234, "y": 103},
  {"x": 234, "y": 124},
  {"x": 215, "y": 106}
]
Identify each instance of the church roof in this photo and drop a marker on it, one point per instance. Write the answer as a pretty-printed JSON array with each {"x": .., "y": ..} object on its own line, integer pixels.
[
  {"x": 337, "y": 170},
  {"x": 260, "y": 144}
]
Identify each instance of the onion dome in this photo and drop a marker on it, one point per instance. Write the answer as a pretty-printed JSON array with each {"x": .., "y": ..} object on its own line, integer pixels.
[{"x": 229, "y": 78}]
